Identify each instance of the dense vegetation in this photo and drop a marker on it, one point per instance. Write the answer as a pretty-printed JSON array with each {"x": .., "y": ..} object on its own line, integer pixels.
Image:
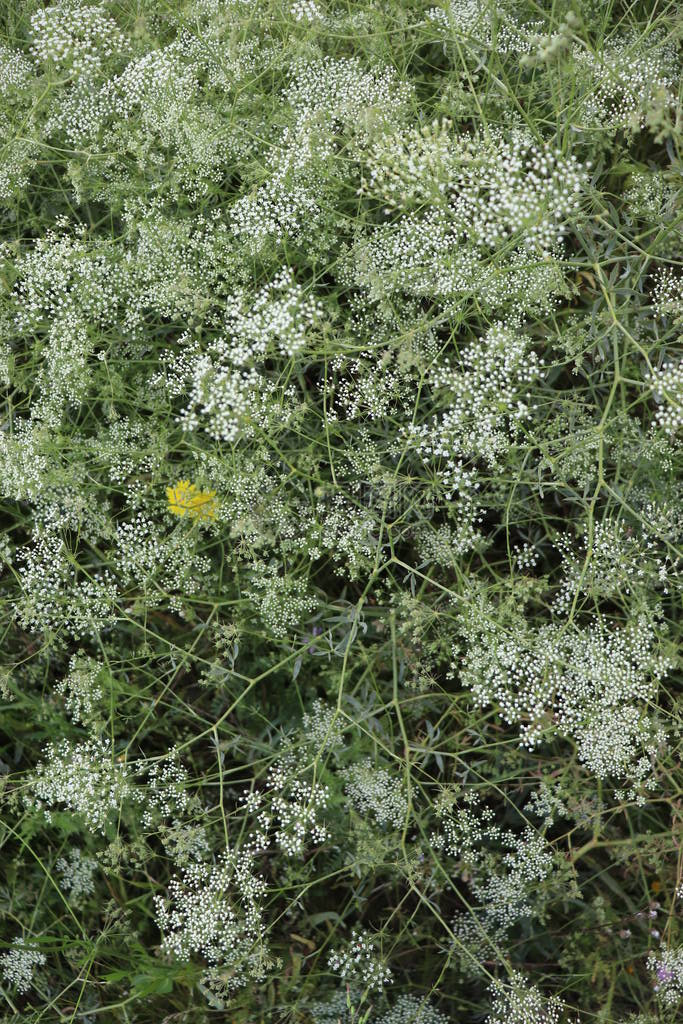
[{"x": 340, "y": 482}]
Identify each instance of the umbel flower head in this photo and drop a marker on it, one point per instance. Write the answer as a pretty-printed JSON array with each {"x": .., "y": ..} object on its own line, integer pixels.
[{"x": 185, "y": 499}]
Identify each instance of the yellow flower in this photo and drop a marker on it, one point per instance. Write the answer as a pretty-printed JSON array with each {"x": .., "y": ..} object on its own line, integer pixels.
[{"x": 185, "y": 499}]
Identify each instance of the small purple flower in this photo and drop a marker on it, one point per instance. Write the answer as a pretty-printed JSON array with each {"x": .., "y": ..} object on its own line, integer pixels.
[
  {"x": 316, "y": 631},
  {"x": 665, "y": 973}
]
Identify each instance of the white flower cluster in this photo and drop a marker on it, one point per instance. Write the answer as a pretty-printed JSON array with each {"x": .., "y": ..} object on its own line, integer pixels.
[
  {"x": 604, "y": 676},
  {"x": 516, "y": 1001},
  {"x": 56, "y": 598},
  {"x": 62, "y": 379},
  {"x": 525, "y": 557},
  {"x": 66, "y": 294},
  {"x": 24, "y": 465},
  {"x": 487, "y": 196},
  {"x": 76, "y": 872},
  {"x": 83, "y": 777},
  {"x": 305, "y": 10},
  {"x": 649, "y": 195},
  {"x": 153, "y": 105},
  {"x": 323, "y": 99},
  {"x": 156, "y": 85},
  {"x": 668, "y": 295},
  {"x": 168, "y": 804},
  {"x": 339, "y": 92},
  {"x": 462, "y": 830},
  {"x": 66, "y": 278},
  {"x": 125, "y": 448},
  {"x": 255, "y": 507},
  {"x": 175, "y": 267},
  {"x": 296, "y": 816},
  {"x": 609, "y": 561},
  {"x": 622, "y": 742},
  {"x": 498, "y": 190},
  {"x": 368, "y": 387},
  {"x": 19, "y": 963},
  {"x": 627, "y": 79},
  {"x": 334, "y": 1009},
  {"x": 412, "y": 167},
  {"x": 74, "y": 38},
  {"x": 282, "y": 207},
  {"x": 230, "y": 403},
  {"x": 545, "y": 803},
  {"x": 516, "y": 192},
  {"x": 322, "y": 728},
  {"x": 505, "y": 885},
  {"x": 282, "y": 601},
  {"x": 487, "y": 402},
  {"x": 411, "y": 1010},
  {"x": 407, "y": 1009},
  {"x": 81, "y": 688},
  {"x": 667, "y": 385},
  {"x": 46, "y": 282},
  {"x": 358, "y": 962},
  {"x": 470, "y": 20},
  {"x": 586, "y": 683},
  {"x": 444, "y": 544},
  {"x": 280, "y": 314},
  {"x": 349, "y": 533},
  {"x": 215, "y": 910},
  {"x": 166, "y": 791},
  {"x": 667, "y": 965},
  {"x": 429, "y": 255},
  {"x": 15, "y": 70},
  {"x": 66, "y": 507},
  {"x": 507, "y": 897},
  {"x": 376, "y": 791},
  {"x": 288, "y": 813},
  {"x": 471, "y": 23},
  {"x": 19, "y": 153},
  {"x": 145, "y": 554}
]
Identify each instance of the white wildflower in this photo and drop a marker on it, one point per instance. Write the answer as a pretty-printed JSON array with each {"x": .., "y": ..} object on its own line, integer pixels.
[
  {"x": 85, "y": 778},
  {"x": 19, "y": 963},
  {"x": 374, "y": 790},
  {"x": 516, "y": 1001},
  {"x": 76, "y": 872},
  {"x": 81, "y": 687},
  {"x": 215, "y": 911},
  {"x": 358, "y": 962},
  {"x": 667, "y": 965}
]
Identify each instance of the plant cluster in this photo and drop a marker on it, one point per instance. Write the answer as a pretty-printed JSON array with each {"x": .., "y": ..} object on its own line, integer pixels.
[{"x": 340, "y": 481}]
